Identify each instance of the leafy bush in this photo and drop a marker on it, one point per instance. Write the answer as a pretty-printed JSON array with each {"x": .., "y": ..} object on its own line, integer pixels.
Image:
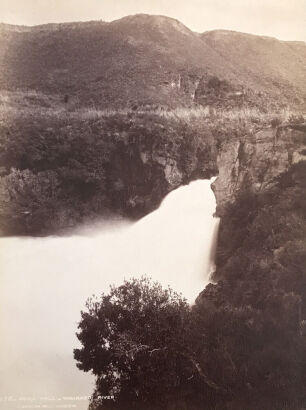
[{"x": 135, "y": 340}]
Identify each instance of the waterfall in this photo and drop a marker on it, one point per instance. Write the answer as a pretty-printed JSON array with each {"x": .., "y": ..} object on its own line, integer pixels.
[
  {"x": 213, "y": 249},
  {"x": 46, "y": 281}
]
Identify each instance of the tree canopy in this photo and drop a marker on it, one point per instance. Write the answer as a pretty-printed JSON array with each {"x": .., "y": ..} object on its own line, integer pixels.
[{"x": 137, "y": 342}]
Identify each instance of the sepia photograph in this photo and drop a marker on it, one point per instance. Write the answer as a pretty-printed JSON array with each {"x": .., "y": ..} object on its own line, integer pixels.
[{"x": 153, "y": 204}]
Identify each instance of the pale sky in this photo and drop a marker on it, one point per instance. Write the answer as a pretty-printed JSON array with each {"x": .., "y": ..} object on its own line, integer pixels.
[{"x": 284, "y": 19}]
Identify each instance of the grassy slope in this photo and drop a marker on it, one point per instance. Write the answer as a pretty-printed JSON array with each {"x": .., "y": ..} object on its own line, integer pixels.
[
  {"x": 263, "y": 63},
  {"x": 117, "y": 62},
  {"x": 135, "y": 59}
]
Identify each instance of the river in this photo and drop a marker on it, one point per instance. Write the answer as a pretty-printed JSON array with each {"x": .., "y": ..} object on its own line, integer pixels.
[{"x": 44, "y": 283}]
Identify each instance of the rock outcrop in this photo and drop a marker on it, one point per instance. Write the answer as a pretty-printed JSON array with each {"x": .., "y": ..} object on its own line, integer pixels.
[{"x": 255, "y": 161}]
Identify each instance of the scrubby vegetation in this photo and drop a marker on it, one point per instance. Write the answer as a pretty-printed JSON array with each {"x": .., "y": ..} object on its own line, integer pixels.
[
  {"x": 241, "y": 346},
  {"x": 57, "y": 172},
  {"x": 61, "y": 165}
]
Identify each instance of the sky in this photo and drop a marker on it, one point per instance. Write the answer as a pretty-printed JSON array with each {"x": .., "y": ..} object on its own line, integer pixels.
[{"x": 283, "y": 19}]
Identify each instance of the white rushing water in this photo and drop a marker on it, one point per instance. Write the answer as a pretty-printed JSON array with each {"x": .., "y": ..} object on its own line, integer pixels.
[{"x": 44, "y": 283}]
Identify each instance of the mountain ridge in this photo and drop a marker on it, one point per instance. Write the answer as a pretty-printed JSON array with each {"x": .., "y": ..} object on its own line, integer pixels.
[{"x": 133, "y": 16}]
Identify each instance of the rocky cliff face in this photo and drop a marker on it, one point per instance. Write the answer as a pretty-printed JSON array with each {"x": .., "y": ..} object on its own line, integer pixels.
[
  {"x": 249, "y": 163},
  {"x": 253, "y": 162},
  {"x": 142, "y": 171}
]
